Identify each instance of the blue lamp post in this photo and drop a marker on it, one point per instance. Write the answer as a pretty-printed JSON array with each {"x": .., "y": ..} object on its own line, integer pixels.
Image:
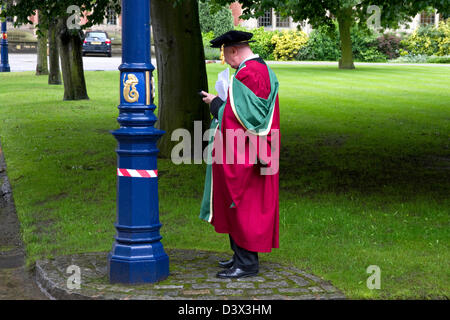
[
  {"x": 4, "y": 64},
  {"x": 137, "y": 255}
]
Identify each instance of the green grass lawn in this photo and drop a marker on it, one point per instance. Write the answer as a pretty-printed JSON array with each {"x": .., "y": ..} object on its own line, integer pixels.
[{"x": 364, "y": 174}]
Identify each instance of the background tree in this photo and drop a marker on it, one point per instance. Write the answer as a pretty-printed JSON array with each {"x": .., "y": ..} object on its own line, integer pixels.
[
  {"x": 181, "y": 68},
  {"x": 346, "y": 12},
  {"x": 54, "y": 75},
  {"x": 70, "y": 42},
  {"x": 69, "y": 32},
  {"x": 42, "y": 65}
]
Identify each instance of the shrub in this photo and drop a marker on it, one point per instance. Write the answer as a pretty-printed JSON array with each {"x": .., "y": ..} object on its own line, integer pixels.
[
  {"x": 218, "y": 22},
  {"x": 288, "y": 43},
  {"x": 444, "y": 42},
  {"x": 263, "y": 45},
  {"x": 365, "y": 44},
  {"x": 321, "y": 46},
  {"x": 210, "y": 53},
  {"x": 212, "y": 25},
  {"x": 324, "y": 45},
  {"x": 443, "y": 59},
  {"x": 207, "y": 37},
  {"x": 421, "y": 58},
  {"x": 428, "y": 40},
  {"x": 389, "y": 45},
  {"x": 411, "y": 58},
  {"x": 371, "y": 55}
]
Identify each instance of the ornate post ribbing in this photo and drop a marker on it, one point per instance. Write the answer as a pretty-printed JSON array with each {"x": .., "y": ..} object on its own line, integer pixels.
[{"x": 137, "y": 255}]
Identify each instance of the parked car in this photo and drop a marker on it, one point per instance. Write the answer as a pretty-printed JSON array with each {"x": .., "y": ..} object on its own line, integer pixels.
[{"x": 97, "y": 42}]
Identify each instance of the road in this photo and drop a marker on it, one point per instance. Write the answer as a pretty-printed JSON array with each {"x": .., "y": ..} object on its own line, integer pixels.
[{"x": 27, "y": 62}]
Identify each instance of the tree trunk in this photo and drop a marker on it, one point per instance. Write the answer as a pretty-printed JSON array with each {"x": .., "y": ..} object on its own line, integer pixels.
[
  {"x": 70, "y": 42},
  {"x": 54, "y": 76},
  {"x": 345, "y": 20},
  {"x": 41, "y": 65},
  {"x": 181, "y": 70}
]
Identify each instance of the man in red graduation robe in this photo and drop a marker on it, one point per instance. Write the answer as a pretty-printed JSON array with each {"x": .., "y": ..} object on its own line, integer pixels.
[{"x": 241, "y": 185}]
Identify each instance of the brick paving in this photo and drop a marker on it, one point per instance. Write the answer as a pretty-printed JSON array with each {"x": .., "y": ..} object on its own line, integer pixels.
[{"x": 192, "y": 276}]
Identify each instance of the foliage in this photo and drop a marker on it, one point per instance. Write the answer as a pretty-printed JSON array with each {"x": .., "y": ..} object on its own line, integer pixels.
[
  {"x": 429, "y": 40},
  {"x": 218, "y": 22},
  {"x": 210, "y": 53},
  {"x": 214, "y": 21},
  {"x": 371, "y": 55},
  {"x": 263, "y": 45},
  {"x": 288, "y": 43},
  {"x": 207, "y": 37},
  {"x": 411, "y": 58},
  {"x": 319, "y": 13},
  {"x": 321, "y": 46},
  {"x": 365, "y": 44},
  {"x": 322, "y": 13},
  {"x": 421, "y": 58},
  {"x": 389, "y": 45},
  {"x": 443, "y": 59}
]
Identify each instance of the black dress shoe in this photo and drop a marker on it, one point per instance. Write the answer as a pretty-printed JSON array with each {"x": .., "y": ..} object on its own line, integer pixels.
[
  {"x": 236, "y": 272},
  {"x": 226, "y": 264}
]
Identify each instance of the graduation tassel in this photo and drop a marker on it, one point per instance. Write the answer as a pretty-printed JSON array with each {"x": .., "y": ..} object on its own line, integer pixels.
[{"x": 222, "y": 55}]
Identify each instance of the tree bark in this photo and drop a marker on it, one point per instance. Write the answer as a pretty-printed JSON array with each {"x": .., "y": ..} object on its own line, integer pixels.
[
  {"x": 42, "y": 65},
  {"x": 70, "y": 42},
  {"x": 345, "y": 20},
  {"x": 54, "y": 76},
  {"x": 181, "y": 70}
]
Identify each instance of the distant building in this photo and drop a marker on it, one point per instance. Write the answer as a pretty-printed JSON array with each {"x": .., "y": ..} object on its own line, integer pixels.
[
  {"x": 273, "y": 21},
  {"x": 111, "y": 24},
  {"x": 270, "y": 20}
]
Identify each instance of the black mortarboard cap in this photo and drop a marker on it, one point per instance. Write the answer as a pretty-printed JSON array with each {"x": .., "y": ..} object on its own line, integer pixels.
[{"x": 231, "y": 38}]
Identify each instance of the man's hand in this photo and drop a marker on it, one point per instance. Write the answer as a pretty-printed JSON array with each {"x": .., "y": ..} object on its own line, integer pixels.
[{"x": 207, "y": 97}]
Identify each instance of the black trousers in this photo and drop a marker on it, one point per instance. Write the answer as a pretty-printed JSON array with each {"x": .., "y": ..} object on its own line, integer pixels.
[{"x": 244, "y": 259}]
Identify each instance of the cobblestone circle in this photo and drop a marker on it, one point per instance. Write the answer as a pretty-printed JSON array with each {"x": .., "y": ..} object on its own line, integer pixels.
[{"x": 192, "y": 277}]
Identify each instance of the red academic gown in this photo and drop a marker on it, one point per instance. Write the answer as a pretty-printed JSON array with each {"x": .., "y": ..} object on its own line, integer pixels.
[{"x": 253, "y": 220}]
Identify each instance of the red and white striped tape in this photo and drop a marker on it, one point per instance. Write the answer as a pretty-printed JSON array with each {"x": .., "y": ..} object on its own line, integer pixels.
[{"x": 137, "y": 173}]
